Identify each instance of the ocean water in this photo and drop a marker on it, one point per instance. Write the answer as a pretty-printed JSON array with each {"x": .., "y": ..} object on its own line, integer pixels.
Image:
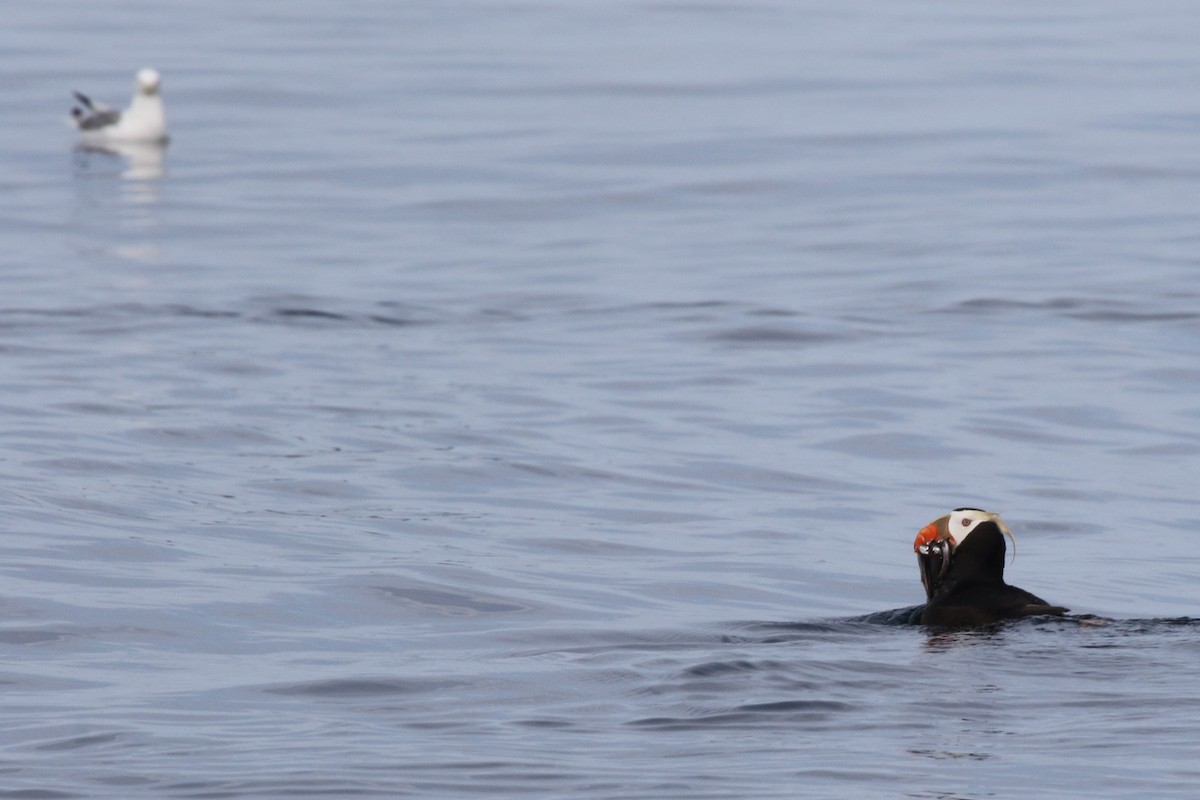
[{"x": 540, "y": 399}]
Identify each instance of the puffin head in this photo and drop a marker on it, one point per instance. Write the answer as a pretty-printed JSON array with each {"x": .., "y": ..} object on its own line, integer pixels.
[{"x": 966, "y": 539}]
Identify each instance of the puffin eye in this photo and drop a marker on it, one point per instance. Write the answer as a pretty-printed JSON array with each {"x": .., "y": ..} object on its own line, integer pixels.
[{"x": 966, "y": 522}]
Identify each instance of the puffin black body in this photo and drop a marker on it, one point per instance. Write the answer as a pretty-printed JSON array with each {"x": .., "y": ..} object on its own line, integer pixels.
[{"x": 961, "y": 558}]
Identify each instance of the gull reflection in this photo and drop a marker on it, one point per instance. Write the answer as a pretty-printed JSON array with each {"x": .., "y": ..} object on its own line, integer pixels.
[
  {"x": 143, "y": 160},
  {"x": 118, "y": 187}
]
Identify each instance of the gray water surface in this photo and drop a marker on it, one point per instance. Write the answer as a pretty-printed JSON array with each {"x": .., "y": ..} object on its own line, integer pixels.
[{"x": 540, "y": 399}]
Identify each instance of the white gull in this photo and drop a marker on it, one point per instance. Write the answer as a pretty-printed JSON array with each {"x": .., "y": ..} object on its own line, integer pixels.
[{"x": 143, "y": 121}]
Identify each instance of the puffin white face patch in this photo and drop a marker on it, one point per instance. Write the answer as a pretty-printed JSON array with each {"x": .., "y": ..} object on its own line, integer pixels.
[{"x": 964, "y": 520}]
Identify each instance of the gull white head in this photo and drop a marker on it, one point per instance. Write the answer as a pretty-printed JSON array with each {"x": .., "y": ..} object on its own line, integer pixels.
[{"x": 148, "y": 81}]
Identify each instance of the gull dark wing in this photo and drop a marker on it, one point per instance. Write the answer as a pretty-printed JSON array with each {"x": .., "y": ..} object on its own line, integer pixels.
[
  {"x": 85, "y": 101},
  {"x": 100, "y": 119},
  {"x": 99, "y": 116}
]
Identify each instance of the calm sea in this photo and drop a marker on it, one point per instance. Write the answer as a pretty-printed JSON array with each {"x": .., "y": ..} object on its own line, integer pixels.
[{"x": 537, "y": 399}]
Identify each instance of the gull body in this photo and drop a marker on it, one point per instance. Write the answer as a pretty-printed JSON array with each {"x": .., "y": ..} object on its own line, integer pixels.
[{"x": 145, "y": 121}]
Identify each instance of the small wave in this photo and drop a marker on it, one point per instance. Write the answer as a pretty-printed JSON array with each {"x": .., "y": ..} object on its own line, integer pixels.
[
  {"x": 358, "y": 687},
  {"x": 751, "y": 714}
]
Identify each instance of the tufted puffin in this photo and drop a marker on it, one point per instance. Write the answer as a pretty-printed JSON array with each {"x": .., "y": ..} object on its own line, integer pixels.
[{"x": 961, "y": 557}]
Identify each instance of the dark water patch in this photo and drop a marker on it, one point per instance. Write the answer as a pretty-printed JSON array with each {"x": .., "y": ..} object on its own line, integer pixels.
[
  {"x": 205, "y": 436},
  {"x": 896, "y": 446},
  {"x": 131, "y": 550},
  {"x": 979, "y": 304},
  {"x": 736, "y": 188},
  {"x": 1165, "y": 450},
  {"x": 851, "y": 628},
  {"x": 32, "y": 636},
  {"x": 712, "y": 679},
  {"x": 725, "y": 315},
  {"x": 713, "y": 668},
  {"x": 96, "y": 508},
  {"x": 308, "y": 313},
  {"x": 950, "y": 755},
  {"x": 452, "y": 603},
  {"x": 751, "y": 715},
  {"x": 114, "y": 318},
  {"x": 102, "y": 409},
  {"x": 910, "y": 615},
  {"x": 1135, "y": 627},
  {"x": 490, "y": 314},
  {"x": 318, "y": 317},
  {"x": 1074, "y": 416},
  {"x": 1175, "y": 376},
  {"x": 28, "y": 351},
  {"x": 535, "y": 469},
  {"x": 332, "y": 489},
  {"x": 551, "y": 724},
  {"x": 79, "y": 742},
  {"x": 1087, "y": 309},
  {"x": 1023, "y": 432},
  {"x": 234, "y": 367},
  {"x": 802, "y": 628},
  {"x": 1119, "y": 316},
  {"x": 360, "y": 687},
  {"x": 867, "y": 626},
  {"x": 773, "y": 336},
  {"x": 807, "y": 706},
  {"x": 876, "y": 397},
  {"x": 11, "y": 411},
  {"x": 392, "y": 321},
  {"x": 87, "y": 466},
  {"x": 202, "y": 313},
  {"x": 304, "y": 783},
  {"x": 12, "y": 314},
  {"x": 1086, "y": 631},
  {"x": 26, "y": 682},
  {"x": 689, "y": 305}
]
